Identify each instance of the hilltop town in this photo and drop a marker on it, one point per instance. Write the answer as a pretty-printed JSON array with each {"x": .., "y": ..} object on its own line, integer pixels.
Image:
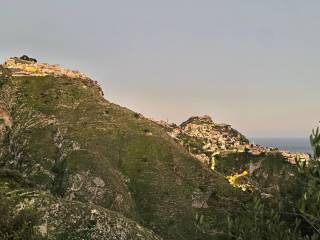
[{"x": 206, "y": 139}]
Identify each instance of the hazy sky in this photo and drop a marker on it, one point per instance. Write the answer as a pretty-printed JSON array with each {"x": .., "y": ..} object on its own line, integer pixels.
[{"x": 254, "y": 64}]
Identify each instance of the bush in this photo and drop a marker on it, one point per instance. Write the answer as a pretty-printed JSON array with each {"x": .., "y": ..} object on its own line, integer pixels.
[
  {"x": 19, "y": 226},
  {"x": 294, "y": 219}
]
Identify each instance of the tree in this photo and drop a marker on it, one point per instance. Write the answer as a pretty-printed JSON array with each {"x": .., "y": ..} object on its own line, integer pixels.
[{"x": 315, "y": 142}]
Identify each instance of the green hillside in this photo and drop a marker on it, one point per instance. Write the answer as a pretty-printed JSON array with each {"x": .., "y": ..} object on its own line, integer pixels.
[
  {"x": 76, "y": 166},
  {"x": 67, "y": 139}
]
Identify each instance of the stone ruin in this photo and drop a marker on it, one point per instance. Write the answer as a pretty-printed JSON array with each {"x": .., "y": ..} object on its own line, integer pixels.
[{"x": 25, "y": 66}]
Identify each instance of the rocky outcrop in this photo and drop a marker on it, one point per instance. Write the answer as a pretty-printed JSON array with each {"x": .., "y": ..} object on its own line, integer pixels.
[
  {"x": 26, "y": 66},
  {"x": 49, "y": 217}
]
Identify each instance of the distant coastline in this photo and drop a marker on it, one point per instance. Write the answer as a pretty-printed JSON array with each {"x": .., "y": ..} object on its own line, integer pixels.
[{"x": 287, "y": 144}]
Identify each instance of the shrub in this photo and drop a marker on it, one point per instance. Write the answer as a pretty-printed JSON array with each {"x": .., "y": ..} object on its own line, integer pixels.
[
  {"x": 21, "y": 225},
  {"x": 294, "y": 219}
]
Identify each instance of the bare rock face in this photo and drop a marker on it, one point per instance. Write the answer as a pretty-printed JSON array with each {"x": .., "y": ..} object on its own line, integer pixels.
[{"x": 53, "y": 218}]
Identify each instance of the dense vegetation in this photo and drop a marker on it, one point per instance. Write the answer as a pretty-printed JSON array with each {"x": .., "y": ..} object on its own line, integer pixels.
[{"x": 294, "y": 215}]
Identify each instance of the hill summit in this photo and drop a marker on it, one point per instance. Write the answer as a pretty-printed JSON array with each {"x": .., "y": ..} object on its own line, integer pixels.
[{"x": 25, "y": 66}]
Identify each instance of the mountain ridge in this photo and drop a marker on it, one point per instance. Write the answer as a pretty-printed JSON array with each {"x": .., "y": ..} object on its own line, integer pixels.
[{"x": 70, "y": 141}]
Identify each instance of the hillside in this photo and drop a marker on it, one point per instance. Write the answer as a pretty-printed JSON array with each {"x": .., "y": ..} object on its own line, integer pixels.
[
  {"x": 75, "y": 148},
  {"x": 265, "y": 170},
  {"x": 75, "y": 166}
]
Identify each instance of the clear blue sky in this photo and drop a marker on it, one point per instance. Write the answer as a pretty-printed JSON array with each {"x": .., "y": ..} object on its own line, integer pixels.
[{"x": 254, "y": 64}]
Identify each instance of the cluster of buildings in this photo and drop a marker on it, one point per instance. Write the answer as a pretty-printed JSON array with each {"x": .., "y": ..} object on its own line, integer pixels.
[
  {"x": 220, "y": 139},
  {"x": 216, "y": 137}
]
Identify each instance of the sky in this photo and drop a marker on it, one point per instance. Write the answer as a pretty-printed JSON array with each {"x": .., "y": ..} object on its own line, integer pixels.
[{"x": 253, "y": 64}]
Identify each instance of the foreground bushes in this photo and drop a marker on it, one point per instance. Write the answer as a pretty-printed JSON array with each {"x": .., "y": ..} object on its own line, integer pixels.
[{"x": 291, "y": 218}]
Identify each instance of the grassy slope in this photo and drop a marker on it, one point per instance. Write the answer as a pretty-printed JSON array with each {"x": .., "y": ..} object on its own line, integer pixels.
[{"x": 148, "y": 178}]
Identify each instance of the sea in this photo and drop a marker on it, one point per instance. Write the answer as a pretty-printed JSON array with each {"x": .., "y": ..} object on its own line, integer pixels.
[{"x": 288, "y": 144}]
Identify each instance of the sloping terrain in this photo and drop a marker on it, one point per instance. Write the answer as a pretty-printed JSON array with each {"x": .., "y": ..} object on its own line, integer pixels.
[
  {"x": 78, "y": 149},
  {"x": 264, "y": 170},
  {"x": 275, "y": 179},
  {"x": 30, "y": 213}
]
